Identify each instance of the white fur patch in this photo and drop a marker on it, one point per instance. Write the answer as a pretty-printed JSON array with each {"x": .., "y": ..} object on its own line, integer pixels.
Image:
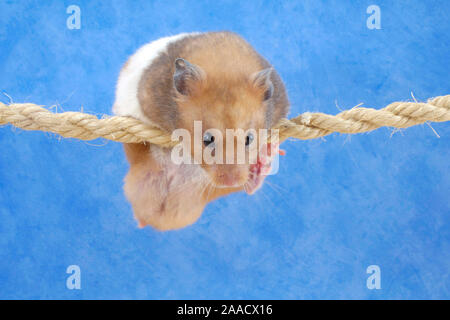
[{"x": 127, "y": 103}]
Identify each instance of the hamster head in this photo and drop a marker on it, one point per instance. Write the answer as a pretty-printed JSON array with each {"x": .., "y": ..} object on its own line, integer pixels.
[{"x": 232, "y": 107}]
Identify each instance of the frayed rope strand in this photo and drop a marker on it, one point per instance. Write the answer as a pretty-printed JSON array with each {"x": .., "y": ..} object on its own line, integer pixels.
[{"x": 84, "y": 126}]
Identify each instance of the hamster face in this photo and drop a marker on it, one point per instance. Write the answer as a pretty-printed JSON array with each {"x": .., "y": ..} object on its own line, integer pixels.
[{"x": 221, "y": 104}]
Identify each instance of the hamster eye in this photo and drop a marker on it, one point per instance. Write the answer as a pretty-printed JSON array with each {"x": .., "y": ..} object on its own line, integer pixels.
[
  {"x": 249, "y": 139},
  {"x": 208, "y": 139}
]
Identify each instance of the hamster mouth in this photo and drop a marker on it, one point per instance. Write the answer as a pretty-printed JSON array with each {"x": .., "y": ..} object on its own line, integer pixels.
[{"x": 262, "y": 167}]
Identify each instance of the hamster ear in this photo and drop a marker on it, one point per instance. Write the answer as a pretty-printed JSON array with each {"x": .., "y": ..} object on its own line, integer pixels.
[
  {"x": 261, "y": 79},
  {"x": 186, "y": 76}
]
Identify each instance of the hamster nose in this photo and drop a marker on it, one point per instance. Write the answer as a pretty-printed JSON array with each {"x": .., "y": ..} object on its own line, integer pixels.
[{"x": 228, "y": 179}]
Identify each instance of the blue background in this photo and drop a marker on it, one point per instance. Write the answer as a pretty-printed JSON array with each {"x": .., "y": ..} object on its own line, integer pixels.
[{"x": 336, "y": 206}]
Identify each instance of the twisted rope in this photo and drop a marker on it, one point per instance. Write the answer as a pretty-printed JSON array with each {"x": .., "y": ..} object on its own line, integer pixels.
[{"x": 84, "y": 126}]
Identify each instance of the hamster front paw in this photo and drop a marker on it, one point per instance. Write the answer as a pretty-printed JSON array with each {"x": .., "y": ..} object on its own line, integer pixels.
[{"x": 262, "y": 167}]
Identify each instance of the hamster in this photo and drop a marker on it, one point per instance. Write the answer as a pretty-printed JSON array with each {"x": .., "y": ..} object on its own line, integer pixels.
[{"x": 216, "y": 78}]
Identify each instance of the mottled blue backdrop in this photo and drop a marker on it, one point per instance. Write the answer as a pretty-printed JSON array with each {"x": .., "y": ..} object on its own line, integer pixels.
[{"x": 336, "y": 206}]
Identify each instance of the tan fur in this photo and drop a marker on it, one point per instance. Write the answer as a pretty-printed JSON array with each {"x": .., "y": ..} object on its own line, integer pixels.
[
  {"x": 226, "y": 97},
  {"x": 167, "y": 196}
]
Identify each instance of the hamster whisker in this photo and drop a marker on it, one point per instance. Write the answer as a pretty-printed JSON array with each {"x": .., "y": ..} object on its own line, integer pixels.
[
  {"x": 282, "y": 195},
  {"x": 246, "y": 187},
  {"x": 273, "y": 187},
  {"x": 211, "y": 186},
  {"x": 266, "y": 197},
  {"x": 205, "y": 185},
  {"x": 281, "y": 189}
]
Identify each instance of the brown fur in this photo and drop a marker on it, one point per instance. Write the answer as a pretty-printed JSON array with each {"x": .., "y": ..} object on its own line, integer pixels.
[{"x": 224, "y": 98}]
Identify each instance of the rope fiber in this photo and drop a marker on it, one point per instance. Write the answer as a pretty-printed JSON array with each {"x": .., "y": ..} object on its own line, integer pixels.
[{"x": 84, "y": 126}]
